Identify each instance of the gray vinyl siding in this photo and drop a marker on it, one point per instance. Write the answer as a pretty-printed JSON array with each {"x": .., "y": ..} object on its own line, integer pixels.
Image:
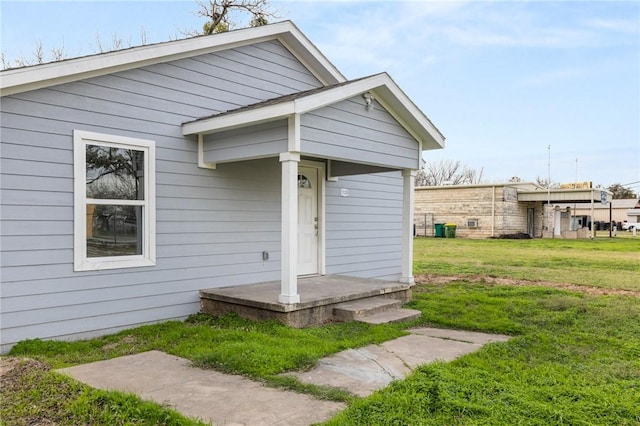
[
  {"x": 347, "y": 131},
  {"x": 364, "y": 229},
  {"x": 262, "y": 140},
  {"x": 212, "y": 225}
]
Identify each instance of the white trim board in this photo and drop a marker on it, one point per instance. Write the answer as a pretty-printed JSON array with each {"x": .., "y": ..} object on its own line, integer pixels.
[
  {"x": 385, "y": 89},
  {"x": 148, "y": 257},
  {"x": 18, "y": 80}
]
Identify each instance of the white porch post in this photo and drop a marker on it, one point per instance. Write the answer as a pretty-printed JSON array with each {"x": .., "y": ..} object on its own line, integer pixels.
[
  {"x": 408, "y": 181},
  {"x": 289, "y": 234}
]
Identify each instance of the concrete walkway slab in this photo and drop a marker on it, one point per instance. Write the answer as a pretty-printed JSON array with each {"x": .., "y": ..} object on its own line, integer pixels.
[
  {"x": 363, "y": 371},
  {"x": 224, "y": 399},
  {"x": 461, "y": 335},
  {"x": 221, "y": 399},
  {"x": 359, "y": 371}
]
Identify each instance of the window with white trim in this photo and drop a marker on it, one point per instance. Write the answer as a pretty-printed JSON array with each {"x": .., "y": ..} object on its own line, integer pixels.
[{"x": 114, "y": 201}]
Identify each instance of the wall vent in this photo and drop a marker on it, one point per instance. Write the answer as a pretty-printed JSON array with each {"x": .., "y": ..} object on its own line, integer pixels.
[{"x": 472, "y": 223}]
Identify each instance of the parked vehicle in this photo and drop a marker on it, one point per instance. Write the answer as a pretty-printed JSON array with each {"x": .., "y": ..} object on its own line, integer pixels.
[{"x": 630, "y": 226}]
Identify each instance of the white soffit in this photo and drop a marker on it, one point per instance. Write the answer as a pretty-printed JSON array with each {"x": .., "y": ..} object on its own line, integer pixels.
[{"x": 23, "y": 79}]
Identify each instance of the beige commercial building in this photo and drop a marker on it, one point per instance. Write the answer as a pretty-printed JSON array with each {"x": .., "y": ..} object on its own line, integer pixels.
[
  {"x": 617, "y": 211},
  {"x": 493, "y": 210}
]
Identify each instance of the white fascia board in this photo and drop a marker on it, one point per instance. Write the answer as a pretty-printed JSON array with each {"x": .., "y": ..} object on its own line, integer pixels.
[
  {"x": 238, "y": 119},
  {"x": 273, "y": 112},
  {"x": 387, "y": 92},
  {"x": 329, "y": 97},
  {"x": 408, "y": 114},
  {"x": 39, "y": 76},
  {"x": 384, "y": 88},
  {"x": 311, "y": 57}
]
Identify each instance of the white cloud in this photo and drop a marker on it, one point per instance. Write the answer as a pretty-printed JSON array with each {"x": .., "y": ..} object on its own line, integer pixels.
[
  {"x": 626, "y": 26},
  {"x": 553, "y": 76}
]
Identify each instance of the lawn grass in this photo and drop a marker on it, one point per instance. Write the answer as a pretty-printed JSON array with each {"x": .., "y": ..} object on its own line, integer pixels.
[
  {"x": 574, "y": 358},
  {"x": 259, "y": 350},
  {"x": 41, "y": 397},
  {"x": 601, "y": 262}
]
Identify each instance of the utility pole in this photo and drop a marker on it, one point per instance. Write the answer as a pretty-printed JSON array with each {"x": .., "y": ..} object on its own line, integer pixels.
[
  {"x": 548, "y": 214},
  {"x": 575, "y": 186},
  {"x": 610, "y": 218}
]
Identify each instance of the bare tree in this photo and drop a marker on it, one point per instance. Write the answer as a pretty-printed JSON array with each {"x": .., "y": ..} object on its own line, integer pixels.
[
  {"x": 619, "y": 191},
  {"x": 55, "y": 54},
  {"x": 546, "y": 183},
  {"x": 222, "y": 16},
  {"x": 472, "y": 176},
  {"x": 219, "y": 14},
  {"x": 38, "y": 56},
  {"x": 447, "y": 172}
]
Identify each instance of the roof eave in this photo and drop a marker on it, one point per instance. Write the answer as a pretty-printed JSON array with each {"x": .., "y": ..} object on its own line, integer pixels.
[
  {"x": 408, "y": 114},
  {"x": 565, "y": 195},
  {"x": 40, "y": 76},
  {"x": 385, "y": 91},
  {"x": 231, "y": 121}
]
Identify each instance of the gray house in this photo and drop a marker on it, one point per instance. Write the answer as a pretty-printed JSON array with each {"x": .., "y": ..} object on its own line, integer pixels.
[{"x": 133, "y": 179}]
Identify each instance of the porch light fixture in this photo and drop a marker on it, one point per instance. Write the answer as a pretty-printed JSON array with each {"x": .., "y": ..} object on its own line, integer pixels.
[{"x": 368, "y": 99}]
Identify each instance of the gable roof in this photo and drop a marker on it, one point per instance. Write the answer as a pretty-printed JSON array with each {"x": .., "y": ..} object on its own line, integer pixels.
[
  {"x": 23, "y": 79},
  {"x": 381, "y": 86}
]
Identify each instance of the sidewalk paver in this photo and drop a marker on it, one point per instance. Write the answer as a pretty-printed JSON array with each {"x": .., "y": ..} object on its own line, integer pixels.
[
  {"x": 365, "y": 370},
  {"x": 221, "y": 399},
  {"x": 225, "y": 399}
]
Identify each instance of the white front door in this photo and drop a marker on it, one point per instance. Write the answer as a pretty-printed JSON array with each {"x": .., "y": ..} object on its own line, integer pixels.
[{"x": 308, "y": 220}]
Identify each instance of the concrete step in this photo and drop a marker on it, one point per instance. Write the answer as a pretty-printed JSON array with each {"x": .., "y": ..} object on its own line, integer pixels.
[
  {"x": 393, "y": 315},
  {"x": 351, "y": 311}
]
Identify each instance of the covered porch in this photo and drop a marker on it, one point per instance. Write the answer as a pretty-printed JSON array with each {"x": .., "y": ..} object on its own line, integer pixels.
[
  {"x": 557, "y": 220},
  {"x": 360, "y": 127}
]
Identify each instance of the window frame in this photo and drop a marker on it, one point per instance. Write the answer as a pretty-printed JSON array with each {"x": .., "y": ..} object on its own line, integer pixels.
[{"x": 82, "y": 262}]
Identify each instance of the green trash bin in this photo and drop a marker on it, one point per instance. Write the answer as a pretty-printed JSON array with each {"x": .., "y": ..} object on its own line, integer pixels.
[
  {"x": 450, "y": 230},
  {"x": 439, "y": 230}
]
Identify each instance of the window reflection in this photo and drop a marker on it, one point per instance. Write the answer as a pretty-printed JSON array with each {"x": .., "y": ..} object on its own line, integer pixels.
[
  {"x": 303, "y": 182},
  {"x": 113, "y": 230},
  {"x": 114, "y": 173}
]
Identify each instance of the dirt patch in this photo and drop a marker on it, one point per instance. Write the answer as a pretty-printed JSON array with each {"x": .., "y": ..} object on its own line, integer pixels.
[
  {"x": 12, "y": 371},
  {"x": 598, "y": 291}
]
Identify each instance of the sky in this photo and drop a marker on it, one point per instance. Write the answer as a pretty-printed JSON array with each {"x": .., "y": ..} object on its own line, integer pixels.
[{"x": 518, "y": 88}]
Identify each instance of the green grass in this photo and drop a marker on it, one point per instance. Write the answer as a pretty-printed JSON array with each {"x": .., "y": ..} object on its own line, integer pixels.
[
  {"x": 42, "y": 397},
  {"x": 574, "y": 358},
  {"x": 231, "y": 344},
  {"x": 606, "y": 263},
  {"x": 259, "y": 350}
]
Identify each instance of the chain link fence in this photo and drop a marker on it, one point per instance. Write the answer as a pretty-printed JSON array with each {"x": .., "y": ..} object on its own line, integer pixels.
[{"x": 423, "y": 225}]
